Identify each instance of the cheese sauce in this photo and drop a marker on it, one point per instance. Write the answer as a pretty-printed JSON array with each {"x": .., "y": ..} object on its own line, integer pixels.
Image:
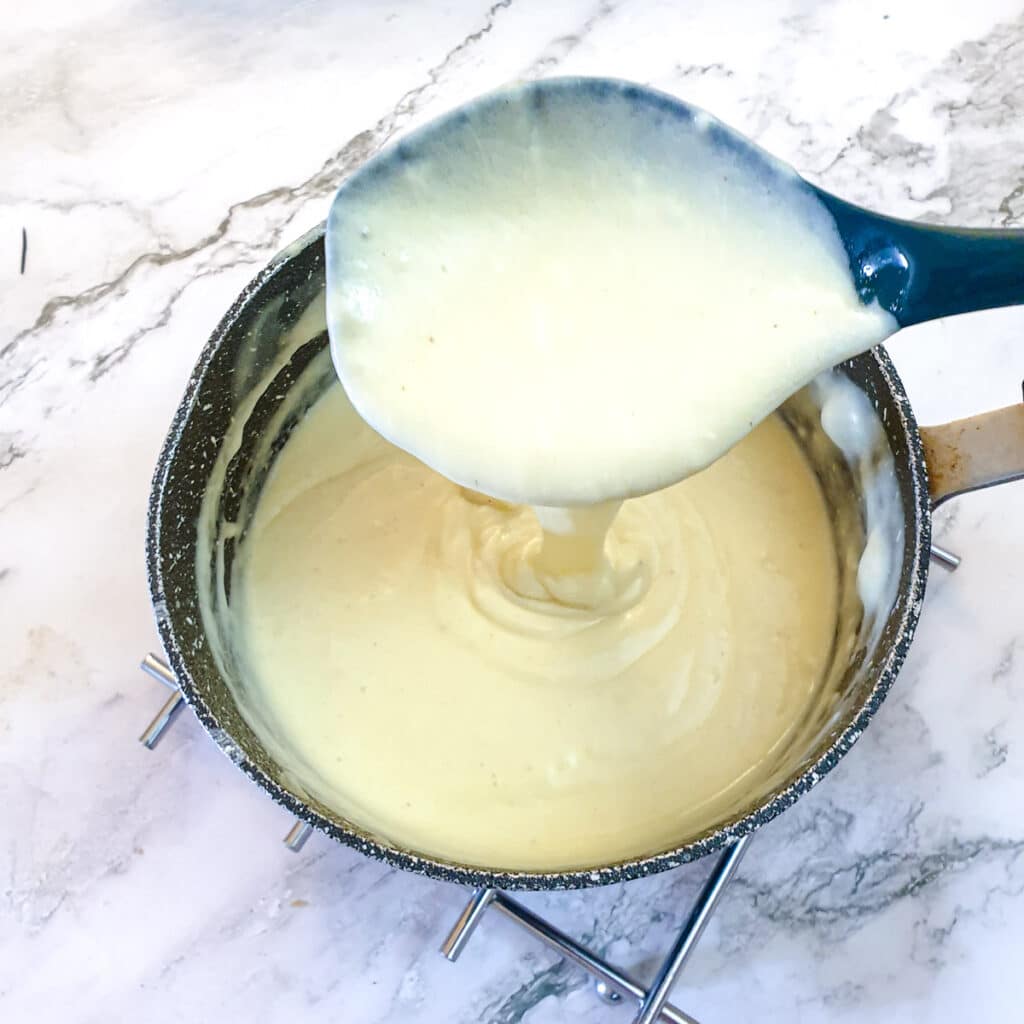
[{"x": 434, "y": 680}]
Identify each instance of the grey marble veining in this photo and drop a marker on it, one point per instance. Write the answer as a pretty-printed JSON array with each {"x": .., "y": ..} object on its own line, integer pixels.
[{"x": 156, "y": 156}]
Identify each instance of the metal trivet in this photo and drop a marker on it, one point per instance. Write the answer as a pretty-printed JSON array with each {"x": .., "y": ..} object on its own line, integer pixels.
[{"x": 611, "y": 984}]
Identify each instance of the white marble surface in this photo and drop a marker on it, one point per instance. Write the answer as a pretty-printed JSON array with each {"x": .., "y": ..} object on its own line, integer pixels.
[{"x": 157, "y": 154}]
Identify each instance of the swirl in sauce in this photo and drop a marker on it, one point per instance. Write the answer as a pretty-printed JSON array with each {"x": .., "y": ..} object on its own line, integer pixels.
[{"x": 442, "y": 688}]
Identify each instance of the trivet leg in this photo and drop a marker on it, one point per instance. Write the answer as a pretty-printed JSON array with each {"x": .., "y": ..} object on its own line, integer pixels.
[
  {"x": 297, "y": 835},
  {"x": 159, "y": 671},
  {"x": 657, "y": 994},
  {"x": 164, "y": 717},
  {"x": 945, "y": 558},
  {"x": 466, "y": 924}
]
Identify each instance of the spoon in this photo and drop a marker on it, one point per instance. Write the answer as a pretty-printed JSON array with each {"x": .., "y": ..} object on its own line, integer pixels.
[{"x": 581, "y": 289}]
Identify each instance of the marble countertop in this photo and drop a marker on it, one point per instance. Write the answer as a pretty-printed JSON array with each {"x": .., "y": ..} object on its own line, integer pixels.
[{"x": 156, "y": 155}]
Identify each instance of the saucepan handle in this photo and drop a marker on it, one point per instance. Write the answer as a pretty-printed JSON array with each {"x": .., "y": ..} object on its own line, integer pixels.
[{"x": 969, "y": 454}]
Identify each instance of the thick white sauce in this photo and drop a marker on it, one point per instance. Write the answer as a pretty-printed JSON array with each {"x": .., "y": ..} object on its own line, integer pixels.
[
  {"x": 582, "y": 302},
  {"x": 432, "y": 679}
]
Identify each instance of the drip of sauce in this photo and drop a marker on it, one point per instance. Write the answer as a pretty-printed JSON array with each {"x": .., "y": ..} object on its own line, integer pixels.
[{"x": 459, "y": 680}]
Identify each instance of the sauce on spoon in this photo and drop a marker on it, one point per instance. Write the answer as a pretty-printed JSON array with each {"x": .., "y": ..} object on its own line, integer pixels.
[{"x": 569, "y": 293}]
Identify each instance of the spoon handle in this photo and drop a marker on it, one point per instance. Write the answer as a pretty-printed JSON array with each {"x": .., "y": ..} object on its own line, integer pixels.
[{"x": 922, "y": 272}]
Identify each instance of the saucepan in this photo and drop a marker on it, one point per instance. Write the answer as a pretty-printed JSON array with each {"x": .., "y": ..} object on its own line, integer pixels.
[{"x": 268, "y": 361}]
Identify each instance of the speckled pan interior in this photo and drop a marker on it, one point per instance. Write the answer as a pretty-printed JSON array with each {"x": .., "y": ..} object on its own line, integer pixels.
[{"x": 235, "y": 361}]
